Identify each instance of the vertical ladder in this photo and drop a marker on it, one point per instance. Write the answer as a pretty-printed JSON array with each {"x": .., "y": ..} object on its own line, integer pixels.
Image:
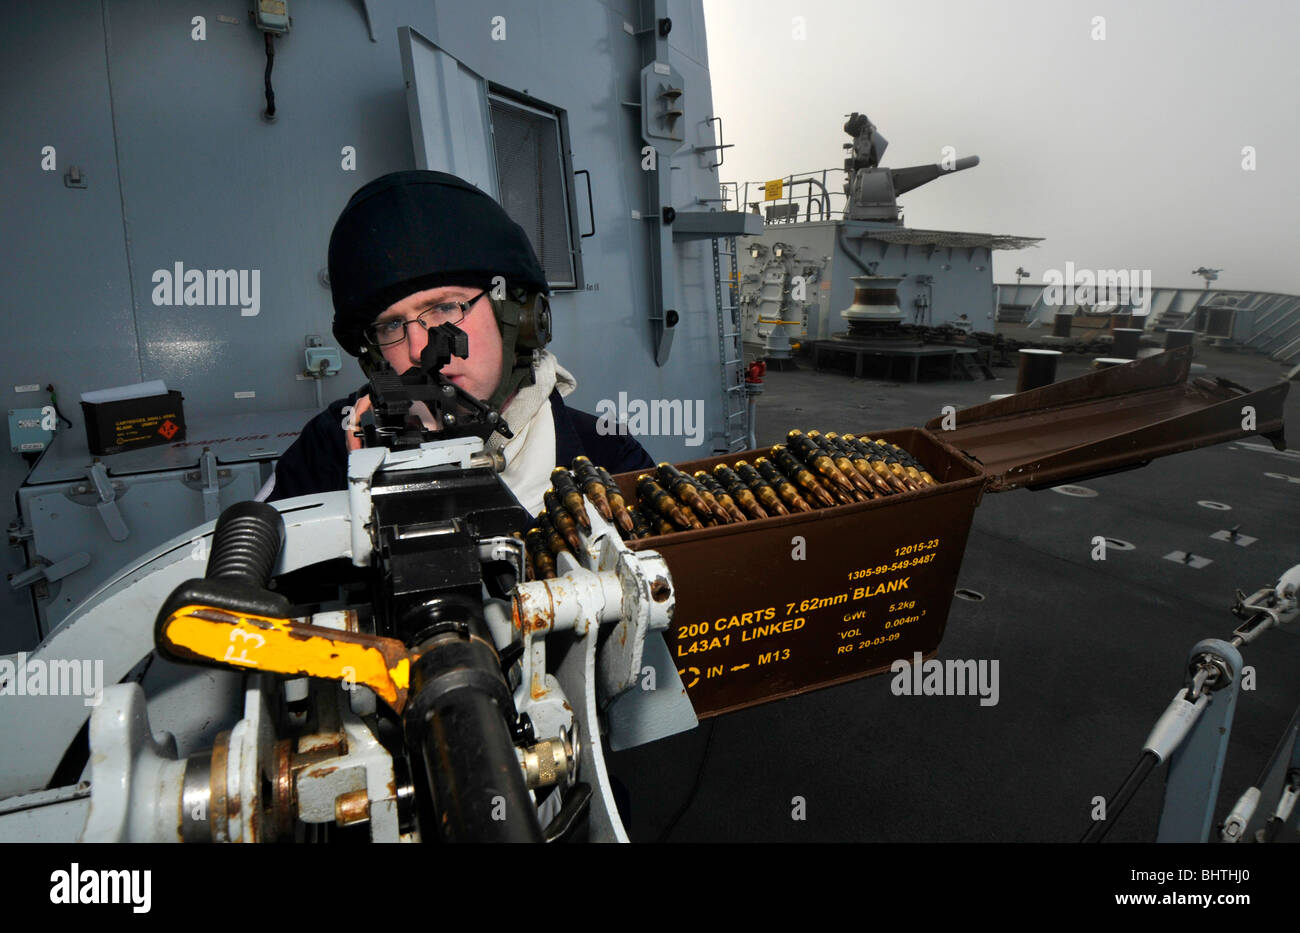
[{"x": 735, "y": 413}]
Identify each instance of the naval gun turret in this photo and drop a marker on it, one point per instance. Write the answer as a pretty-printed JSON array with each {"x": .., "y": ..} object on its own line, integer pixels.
[{"x": 873, "y": 191}]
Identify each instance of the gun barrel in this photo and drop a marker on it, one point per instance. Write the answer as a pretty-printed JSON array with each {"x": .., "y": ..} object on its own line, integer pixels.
[{"x": 914, "y": 176}]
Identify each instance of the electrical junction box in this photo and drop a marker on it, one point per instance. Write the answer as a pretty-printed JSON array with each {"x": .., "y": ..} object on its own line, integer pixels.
[
  {"x": 272, "y": 16},
  {"x": 25, "y": 432},
  {"x": 329, "y": 356}
]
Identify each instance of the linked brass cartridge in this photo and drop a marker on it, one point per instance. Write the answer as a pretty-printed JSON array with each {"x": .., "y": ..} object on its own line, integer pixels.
[
  {"x": 877, "y": 462},
  {"x": 765, "y": 493},
  {"x": 705, "y": 481},
  {"x": 720, "y": 512},
  {"x": 654, "y": 495},
  {"x": 584, "y": 473},
  {"x": 562, "y": 520},
  {"x": 737, "y": 489},
  {"x": 543, "y": 562},
  {"x": 684, "y": 488},
  {"x": 564, "y": 486},
  {"x": 817, "y": 459},
  {"x": 617, "y": 504},
  {"x": 893, "y": 463},
  {"x": 862, "y": 473},
  {"x": 784, "y": 488},
  {"x": 878, "y": 479},
  {"x": 861, "y": 489},
  {"x": 793, "y": 468},
  {"x": 697, "y": 519},
  {"x": 640, "y": 528},
  {"x": 554, "y": 540},
  {"x": 908, "y": 460}
]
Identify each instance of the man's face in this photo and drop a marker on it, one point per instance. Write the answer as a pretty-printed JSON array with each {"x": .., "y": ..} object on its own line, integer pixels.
[{"x": 478, "y": 373}]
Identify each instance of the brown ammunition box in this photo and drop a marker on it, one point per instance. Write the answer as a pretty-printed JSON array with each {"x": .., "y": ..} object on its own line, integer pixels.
[
  {"x": 762, "y": 624},
  {"x": 778, "y": 606}
]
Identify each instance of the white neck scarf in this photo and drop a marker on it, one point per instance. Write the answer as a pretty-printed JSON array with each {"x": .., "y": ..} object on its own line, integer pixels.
[{"x": 530, "y": 454}]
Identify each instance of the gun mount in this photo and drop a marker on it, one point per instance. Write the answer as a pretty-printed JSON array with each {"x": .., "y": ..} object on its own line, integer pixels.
[
  {"x": 388, "y": 671},
  {"x": 872, "y": 191}
]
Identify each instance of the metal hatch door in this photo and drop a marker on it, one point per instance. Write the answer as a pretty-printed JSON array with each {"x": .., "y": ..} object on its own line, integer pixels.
[
  {"x": 451, "y": 126},
  {"x": 1114, "y": 419}
]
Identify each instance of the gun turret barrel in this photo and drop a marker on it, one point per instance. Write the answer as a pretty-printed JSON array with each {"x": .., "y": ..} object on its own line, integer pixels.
[{"x": 914, "y": 176}]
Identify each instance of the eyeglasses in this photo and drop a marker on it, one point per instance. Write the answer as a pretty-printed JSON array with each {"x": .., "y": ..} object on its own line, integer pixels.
[{"x": 390, "y": 332}]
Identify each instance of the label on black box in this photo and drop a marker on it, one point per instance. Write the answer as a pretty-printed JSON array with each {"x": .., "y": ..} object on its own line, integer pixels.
[{"x": 128, "y": 431}]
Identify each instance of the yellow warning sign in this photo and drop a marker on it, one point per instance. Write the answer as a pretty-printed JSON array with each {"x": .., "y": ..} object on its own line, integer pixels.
[{"x": 772, "y": 189}]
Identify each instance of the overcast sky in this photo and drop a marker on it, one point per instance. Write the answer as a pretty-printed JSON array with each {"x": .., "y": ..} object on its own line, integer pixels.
[{"x": 1123, "y": 152}]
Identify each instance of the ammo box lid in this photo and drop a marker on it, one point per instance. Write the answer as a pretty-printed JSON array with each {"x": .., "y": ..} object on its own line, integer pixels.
[{"x": 1106, "y": 421}]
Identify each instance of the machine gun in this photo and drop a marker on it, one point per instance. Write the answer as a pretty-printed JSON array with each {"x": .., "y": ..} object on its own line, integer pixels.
[{"x": 390, "y": 658}]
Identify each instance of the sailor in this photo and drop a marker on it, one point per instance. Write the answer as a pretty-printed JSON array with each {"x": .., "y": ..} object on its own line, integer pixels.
[{"x": 413, "y": 250}]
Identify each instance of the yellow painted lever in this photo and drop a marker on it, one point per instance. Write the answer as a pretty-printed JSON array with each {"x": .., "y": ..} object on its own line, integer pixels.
[{"x": 283, "y": 646}]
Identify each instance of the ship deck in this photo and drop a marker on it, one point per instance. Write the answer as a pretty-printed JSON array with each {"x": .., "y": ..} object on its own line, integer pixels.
[{"x": 1090, "y": 652}]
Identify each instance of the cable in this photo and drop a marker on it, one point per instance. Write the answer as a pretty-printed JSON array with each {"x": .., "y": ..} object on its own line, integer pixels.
[
  {"x": 690, "y": 798},
  {"x": 270, "y": 63},
  {"x": 1097, "y": 831},
  {"x": 54, "y": 403}
]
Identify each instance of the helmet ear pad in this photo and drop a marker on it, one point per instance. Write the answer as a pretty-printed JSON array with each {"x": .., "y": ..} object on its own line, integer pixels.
[
  {"x": 525, "y": 324},
  {"x": 534, "y": 323}
]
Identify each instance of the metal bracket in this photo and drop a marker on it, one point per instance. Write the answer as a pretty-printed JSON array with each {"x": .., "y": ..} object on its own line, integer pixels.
[
  {"x": 646, "y": 606},
  {"x": 1196, "y": 766},
  {"x": 52, "y": 573},
  {"x": 107, "y": 505},
  {"x": 208, "y": 479},
  {"x": 208, "y": 475},
  {"x": 18, "y": 533}
]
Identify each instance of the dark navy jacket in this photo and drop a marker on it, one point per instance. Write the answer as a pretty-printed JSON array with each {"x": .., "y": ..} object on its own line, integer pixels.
[{"x": 318, "y": 460}]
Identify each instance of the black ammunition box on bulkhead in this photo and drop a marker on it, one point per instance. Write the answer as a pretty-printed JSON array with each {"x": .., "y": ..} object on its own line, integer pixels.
[{"x": 112, "y": 427}]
